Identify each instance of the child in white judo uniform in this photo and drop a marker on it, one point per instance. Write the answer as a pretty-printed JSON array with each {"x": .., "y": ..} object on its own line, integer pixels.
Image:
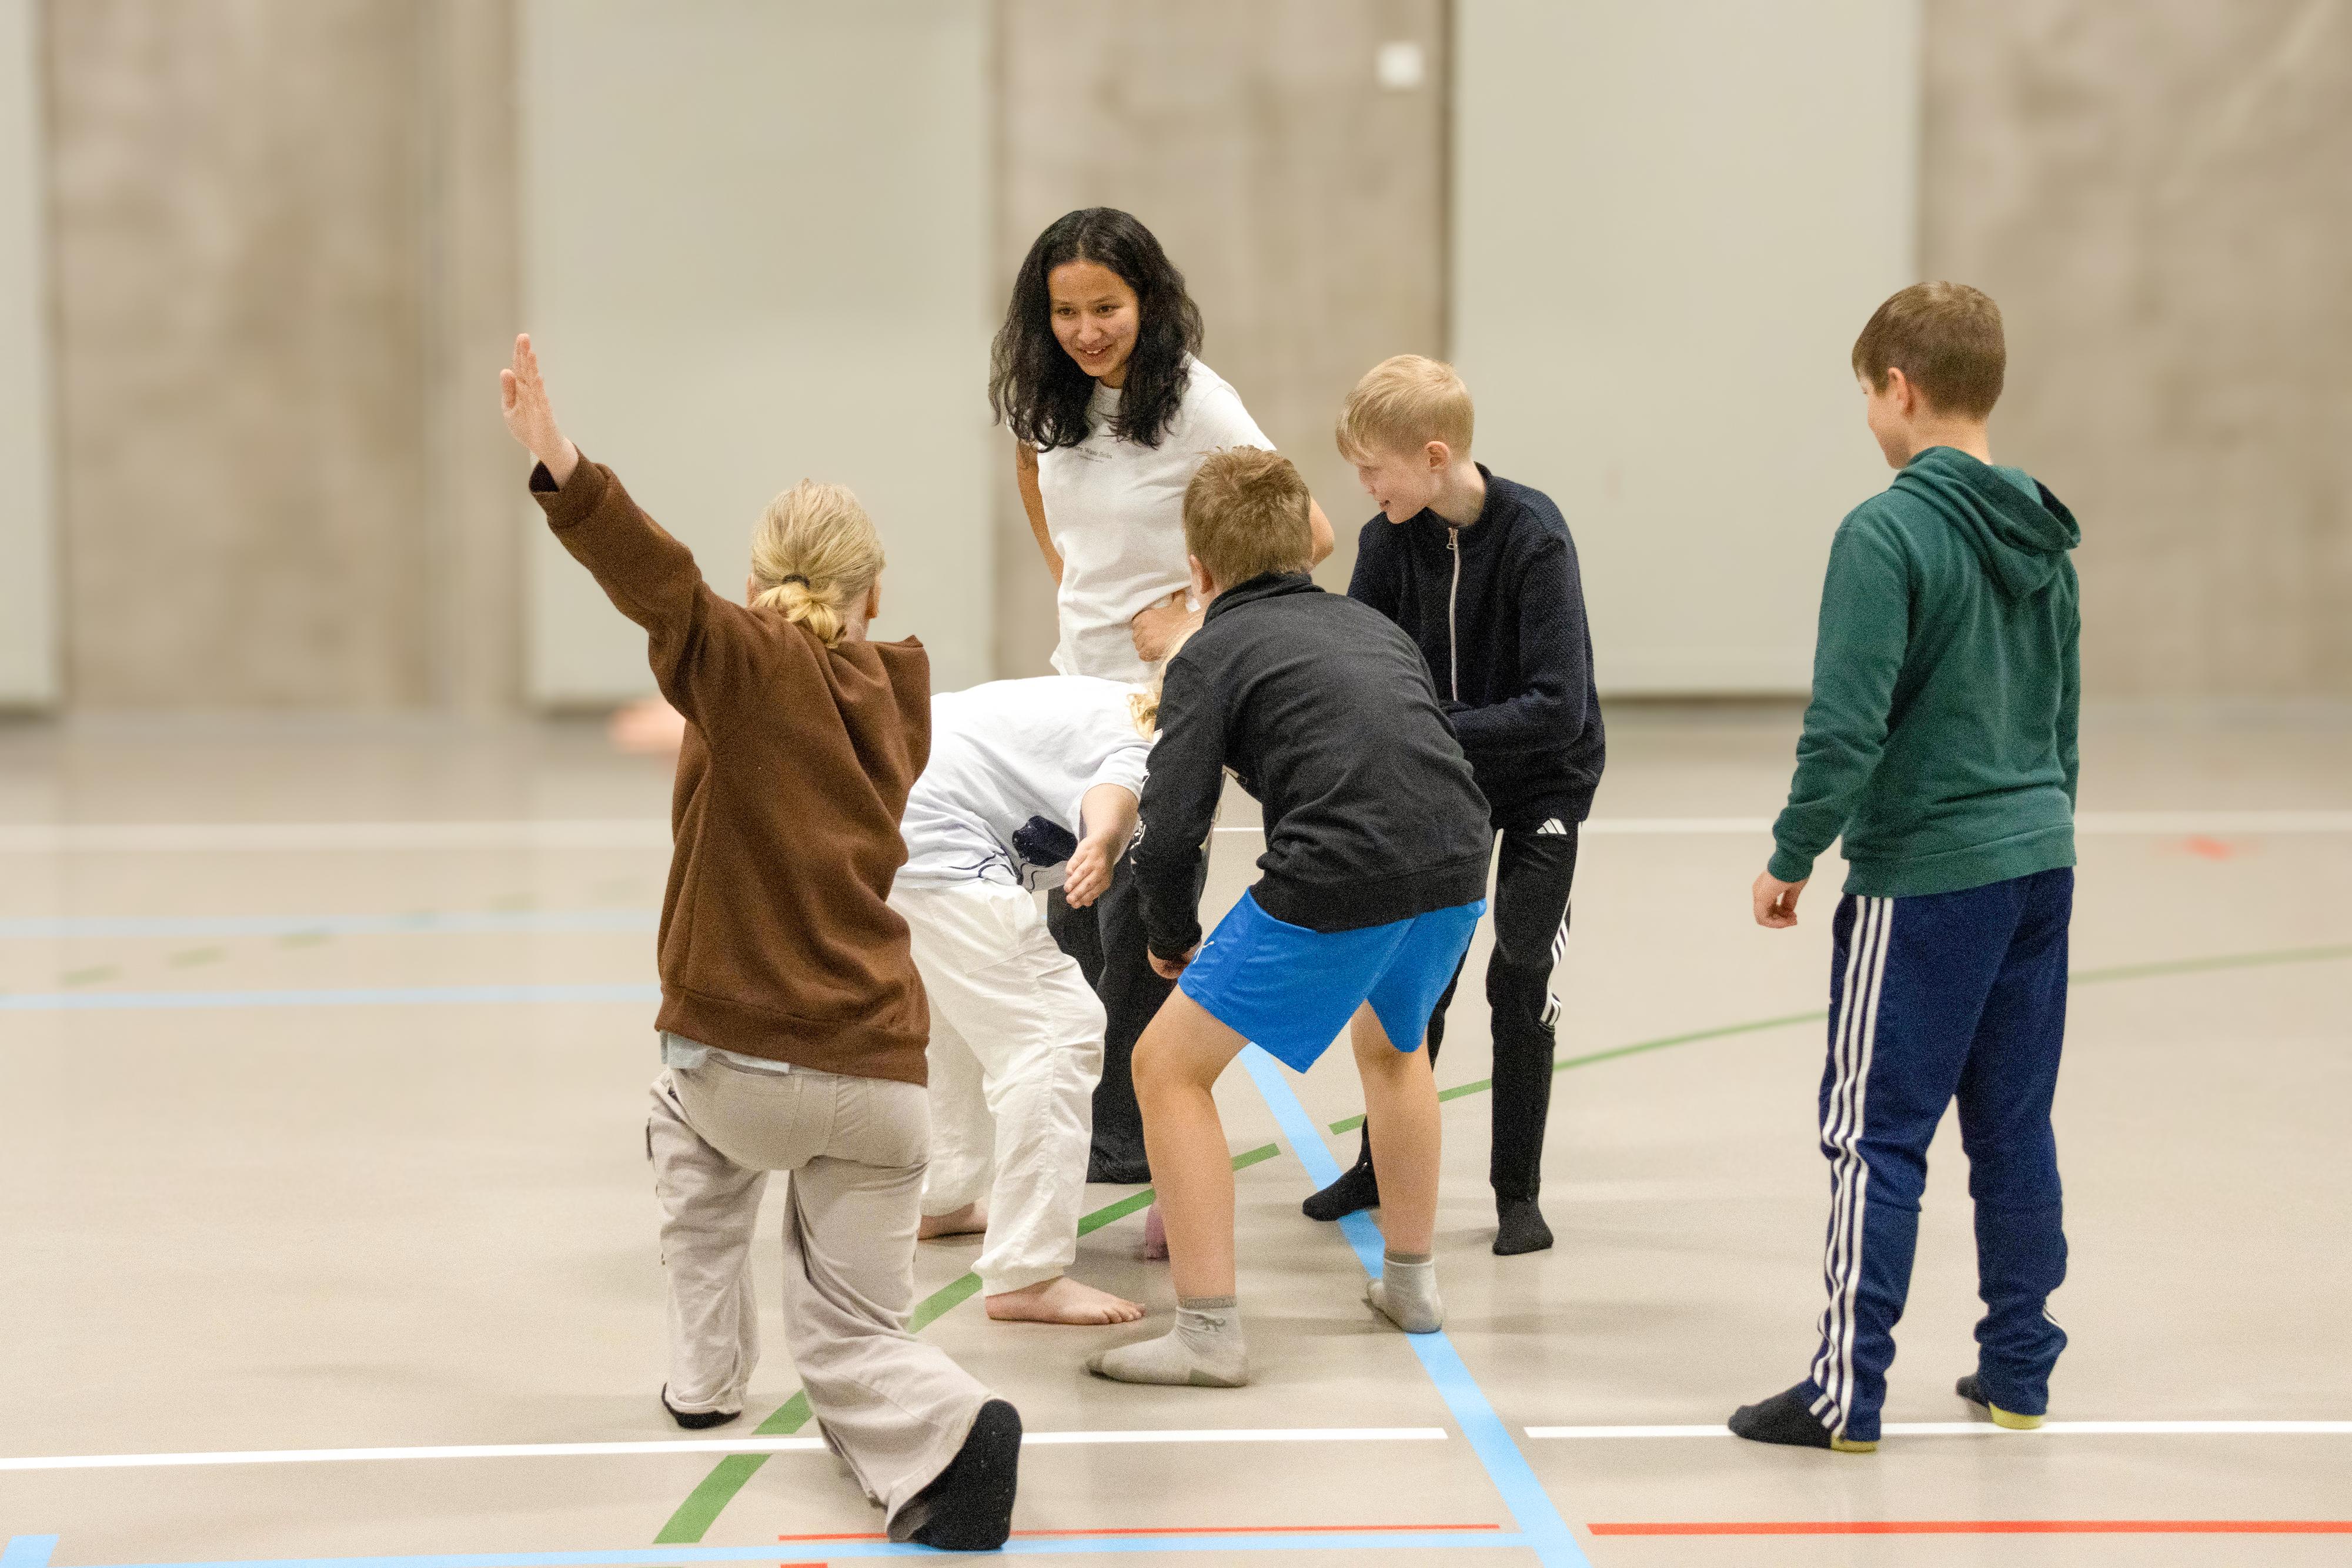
[{"x": 1030, "y": 782}]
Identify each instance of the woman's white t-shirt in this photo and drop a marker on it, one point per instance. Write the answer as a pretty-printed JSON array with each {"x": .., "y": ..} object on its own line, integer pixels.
[
  {"x": 1004, "y": 755},
  {"x": 1115, "y": 511}
]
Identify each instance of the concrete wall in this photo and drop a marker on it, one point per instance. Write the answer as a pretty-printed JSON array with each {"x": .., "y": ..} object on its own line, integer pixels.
[
  {"x": 1669, "y": 223},
  {"x": 756, "y": 250},
  {"x": 473, "y": 538},
  {"x": 283, "y": 255},
  {"x": 28, "y": 676},
  {"x": 2157, "y": 193},
  {"x": 262, "y": 315},
  {"x": 1304, "y": 203},
  {"x": 241, "y": 320}
]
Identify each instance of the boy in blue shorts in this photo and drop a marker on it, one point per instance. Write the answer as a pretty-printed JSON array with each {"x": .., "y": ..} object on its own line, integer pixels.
[
  {"x": 1941, "y": 746},
  {"x": 1375, "y": 871}
]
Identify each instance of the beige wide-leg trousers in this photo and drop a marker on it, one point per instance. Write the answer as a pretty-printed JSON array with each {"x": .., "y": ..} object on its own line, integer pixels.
[
  {"x": 1016, "y": 1049},
  {"x": 895, "y": 1408}
]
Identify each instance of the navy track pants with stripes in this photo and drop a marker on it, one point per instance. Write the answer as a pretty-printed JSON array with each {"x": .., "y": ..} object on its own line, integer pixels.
[{"x": 1944, "y": 997}]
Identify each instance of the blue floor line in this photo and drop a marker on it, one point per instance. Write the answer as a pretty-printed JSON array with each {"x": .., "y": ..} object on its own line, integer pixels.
[
  {"x": 37, "y": 1549},
  {"x": 55, "y": 928},
  {"x": 344, "y": 997},
  {"x": 1531, "y": 1508}
]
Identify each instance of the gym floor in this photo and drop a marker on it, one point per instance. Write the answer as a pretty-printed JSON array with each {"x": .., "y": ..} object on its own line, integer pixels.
[{"x": 323, "y": 1053}]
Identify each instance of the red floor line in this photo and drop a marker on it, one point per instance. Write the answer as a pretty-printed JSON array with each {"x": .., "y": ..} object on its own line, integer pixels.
[
  {"x": 1205, "y": 1530},
  {"x": 1993, "y": 1527},
  {"x": 1262, "y": 1529}
]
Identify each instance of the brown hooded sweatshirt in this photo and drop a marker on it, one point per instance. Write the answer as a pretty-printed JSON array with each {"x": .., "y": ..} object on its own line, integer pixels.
[{"x": 776, "y": 940}]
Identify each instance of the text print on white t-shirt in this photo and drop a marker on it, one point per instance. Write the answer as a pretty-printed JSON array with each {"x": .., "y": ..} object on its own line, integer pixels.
[{"x": 1115, "y": 511}]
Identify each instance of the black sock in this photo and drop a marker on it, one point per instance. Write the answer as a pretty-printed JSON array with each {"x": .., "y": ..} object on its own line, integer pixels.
[
  {"x": 1357, "y": 1188},
  {"x": 1782, "y": 1419},
  {"x": 968, "y": 1507},
  {"x": 697, "y": 1420},
  {"x": 1519, "y": 1227},
  {"x": 1118, "y": 1166}
]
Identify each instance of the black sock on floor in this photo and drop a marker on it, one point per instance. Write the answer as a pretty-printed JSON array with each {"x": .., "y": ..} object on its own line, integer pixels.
[
  {"x": 1118, "y": 1167},
  {"x": 1357, "y": 1188},
  {"x": 697, "y": 1420},
  {"x": 1519, "y": 1227},
  {"x": 1782, "y": 1419},
  {"x": 968, "y": 1507}
]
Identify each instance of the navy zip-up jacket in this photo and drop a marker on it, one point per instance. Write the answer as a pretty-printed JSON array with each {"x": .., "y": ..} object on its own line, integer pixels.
[
  {"x": 1324, "y": 712},
  {"x": 1498, "y": 610}
]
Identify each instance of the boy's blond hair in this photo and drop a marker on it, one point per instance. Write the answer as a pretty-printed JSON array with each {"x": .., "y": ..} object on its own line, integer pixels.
[
  {"x": 1245, "y": 514},
  {"x": 815, "y": 554},
  {"x": 1143, "y": 703},
  {"x": 1402, "y": 405},
  {"x": 1945, "y": 338}
]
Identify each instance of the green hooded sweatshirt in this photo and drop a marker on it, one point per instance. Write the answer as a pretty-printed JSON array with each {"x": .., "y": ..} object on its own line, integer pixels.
[{"x": 1940, "y": 742}]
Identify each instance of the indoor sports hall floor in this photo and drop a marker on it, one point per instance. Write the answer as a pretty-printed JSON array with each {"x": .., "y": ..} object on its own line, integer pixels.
[{"x": 326, "y": 1233}]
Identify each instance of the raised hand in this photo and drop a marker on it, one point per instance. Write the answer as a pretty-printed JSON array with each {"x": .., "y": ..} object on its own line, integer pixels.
[{"x": 531, "y": 418}]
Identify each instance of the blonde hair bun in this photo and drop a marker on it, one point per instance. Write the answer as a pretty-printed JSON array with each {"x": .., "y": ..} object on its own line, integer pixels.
[{"x": 814, "y": 553}]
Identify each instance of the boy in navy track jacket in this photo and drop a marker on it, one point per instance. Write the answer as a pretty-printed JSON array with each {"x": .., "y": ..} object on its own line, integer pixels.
[{"x": 1482, "y": 574}]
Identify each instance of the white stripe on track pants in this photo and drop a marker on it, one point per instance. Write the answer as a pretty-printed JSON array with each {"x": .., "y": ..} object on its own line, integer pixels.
[{"x": 1016, "y": 1049}]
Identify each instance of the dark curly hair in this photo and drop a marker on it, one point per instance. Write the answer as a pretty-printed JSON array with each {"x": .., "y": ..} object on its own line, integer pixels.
[{"x": 1033, "y": 385}]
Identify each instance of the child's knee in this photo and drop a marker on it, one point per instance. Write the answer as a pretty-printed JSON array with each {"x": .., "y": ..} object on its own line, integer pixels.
[
  {"x": 1377, "y": 1056},
  {"x": 1161, "y": 1065},
  {"x": 1373, "y": 1053}
]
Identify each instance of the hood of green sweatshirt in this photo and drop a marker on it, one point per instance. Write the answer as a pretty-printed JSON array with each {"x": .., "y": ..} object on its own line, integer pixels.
[{"x": 1999, "y": 511}]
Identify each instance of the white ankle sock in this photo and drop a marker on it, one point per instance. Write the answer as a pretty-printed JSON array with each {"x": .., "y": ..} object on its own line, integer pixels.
[
  {"x": 1204, "y": 1349},
  {"x": 1406, "y": 1292}
]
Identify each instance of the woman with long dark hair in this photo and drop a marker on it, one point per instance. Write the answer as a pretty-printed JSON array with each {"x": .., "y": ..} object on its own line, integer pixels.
[{"x": 1095, "y": 371}]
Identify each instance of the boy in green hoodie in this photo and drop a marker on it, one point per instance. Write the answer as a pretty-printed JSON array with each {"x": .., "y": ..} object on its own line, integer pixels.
[{"x": 1940, "y": 744}]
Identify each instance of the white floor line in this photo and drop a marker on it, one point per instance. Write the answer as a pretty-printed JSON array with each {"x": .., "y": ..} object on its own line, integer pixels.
[
  {"x": 1987, "y": 1429},
  {"x": 653, "y": 833},
  {"x": 745, "y": 1445}
]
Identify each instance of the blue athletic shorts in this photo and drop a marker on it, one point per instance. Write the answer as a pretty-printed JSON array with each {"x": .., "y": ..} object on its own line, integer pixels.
[{"x": 1293, "y": 990}]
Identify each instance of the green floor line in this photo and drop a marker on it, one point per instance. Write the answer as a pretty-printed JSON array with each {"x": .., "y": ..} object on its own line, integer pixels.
[
  {"x": 2205, "y": 966},
  {"x": 703, "y": 1506},
  {"x": 1758, "y": 1026}
]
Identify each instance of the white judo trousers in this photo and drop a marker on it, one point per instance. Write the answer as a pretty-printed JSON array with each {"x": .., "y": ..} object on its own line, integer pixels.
[{"x": 1016, "y": 1049}]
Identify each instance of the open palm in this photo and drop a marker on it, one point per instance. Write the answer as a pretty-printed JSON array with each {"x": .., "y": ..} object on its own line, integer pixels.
[{"x": 531, "y": 418}]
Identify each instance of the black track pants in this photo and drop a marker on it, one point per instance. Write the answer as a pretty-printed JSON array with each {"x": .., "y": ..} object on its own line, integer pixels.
[
  {"x": 1106, "y": 940},
  {"x": 1530, "y": 907}
]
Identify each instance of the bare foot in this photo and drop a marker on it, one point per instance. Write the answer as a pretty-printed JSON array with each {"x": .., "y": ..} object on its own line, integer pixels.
[
  {"x": 968, "y": 1220},
  {"x": 1155, "y": 1237},
  {"x": 1062, "y": 1299}
]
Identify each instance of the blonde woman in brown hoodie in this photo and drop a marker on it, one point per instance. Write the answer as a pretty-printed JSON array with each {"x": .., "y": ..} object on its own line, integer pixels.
[{"x": 792, "y": 1023}]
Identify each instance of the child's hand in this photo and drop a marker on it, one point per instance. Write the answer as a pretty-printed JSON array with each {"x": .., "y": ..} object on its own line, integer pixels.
[
  {"x": 1776, "y": 901},
  {"x": 531, "y": 418},
  {"x": 1088, "y": 876},
  {"x": 1158, "y": 628},
  {"x": 1173, "y": 969}
]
